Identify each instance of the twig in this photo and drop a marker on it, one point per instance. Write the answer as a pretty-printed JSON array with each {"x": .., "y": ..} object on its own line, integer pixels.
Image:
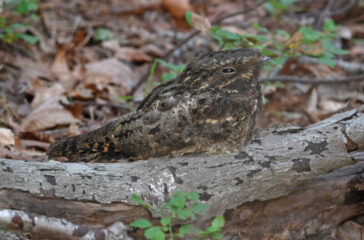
[
  {"x": 352, "y": 67},
  {"x": 41, "y": 225},
  {"x": 193, "y": 34},
  {"x": 323, "y": 14},
  {"x": 329, "y": 11},
  {"x": 294, "y": 79}
]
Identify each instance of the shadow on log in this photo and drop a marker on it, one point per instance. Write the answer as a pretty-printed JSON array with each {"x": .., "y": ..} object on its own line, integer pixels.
[{"x": 269, "y": 189}]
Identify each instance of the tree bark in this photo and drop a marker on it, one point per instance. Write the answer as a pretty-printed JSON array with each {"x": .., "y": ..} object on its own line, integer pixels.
[{"x": 272, "y": 165}]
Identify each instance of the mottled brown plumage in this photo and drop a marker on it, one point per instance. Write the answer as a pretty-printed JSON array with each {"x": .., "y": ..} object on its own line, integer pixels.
[{"x": 211, "y": 107}]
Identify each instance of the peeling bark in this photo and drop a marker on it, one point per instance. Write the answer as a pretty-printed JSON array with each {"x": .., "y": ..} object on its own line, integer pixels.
[{"x": 270, "y": 166}]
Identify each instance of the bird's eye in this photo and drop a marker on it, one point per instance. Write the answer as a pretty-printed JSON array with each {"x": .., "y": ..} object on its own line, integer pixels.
[{"x": 228, "y": 70}]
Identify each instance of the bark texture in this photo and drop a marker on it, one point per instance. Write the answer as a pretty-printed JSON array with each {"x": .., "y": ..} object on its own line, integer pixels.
[{"x": 277, "y": 162}]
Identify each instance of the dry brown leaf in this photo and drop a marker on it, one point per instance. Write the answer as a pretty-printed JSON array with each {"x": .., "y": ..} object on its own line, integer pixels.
[
  {"x": 314, "y": 49},
  {"x": 59, "y": 65},
  {"x": 328, "y": 106},
  {"x": 132, "y": 54},
  {"x": 6, "y": 137},
  {"x": 127, "y": 53},
  {"x": 351, "y": 230},
  {"x": 137, "y": 6},
  {"x": 153, "y": 50},
  {"x": 46, "y": 92},
  {"x": 294, "y": 41},
  {"x": 47, "y": 115},
  {"x": 201, "y": 23},
  {"x": 82, "y": 93},
  {"x": 110, "y": 72},
  {"x": 61, "y": 70},
  {"x": 177, "y": 8}
]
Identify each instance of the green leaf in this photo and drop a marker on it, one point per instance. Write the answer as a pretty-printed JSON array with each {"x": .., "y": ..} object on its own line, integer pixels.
[
  {"x": 258, "y": 27},
  {"x": 278, "y": 5},
  {"x": 288, "y": 2},
  {"x": 150, "y": 77},
  {"x": 187, "y": 229},
  {"x": 178, "y": 68},
  {"x": 218, "y": 222},
  {"x": 200, "y": 208},
  {"x": 29, "y": 38},
  {"x": 139, "y": 200},
  {"x": 185, "y": 213},
  {"x": 103, "y": 34},
  {"x": 32, "y": 6},
  {"x": 141, "y": 223},
  {"x": 178, "y": 200},
  {"x": 189, "y": 18},
  {"x": 283, "y": 33},
  {"x": 193, "y": 196},
  {"x": 278, "y": 61},
  {"x": 261, "y": 38},
  {"x": 217, "y": 235},
  {"x": 225, "y": 34},
  {"x": 2, "y": 22},
  {"x": 327, "y": 59},
  {"x": 165, "y": 221},
  {"x": 330, "y": 47},
  {"x": 18, "y": 26},
  {"x": 330, "y": 26},
  {"x": 212, "y": 229},
  {"x": 279, "y": 85},
  {"x": 154, "y": 233},
  {"x": 270, "y": 8},
  {"x": 309, "y": 35},
  {"x": 269, "y": 53},
  {"x": 22, "y": 7},
  {"x": 168, "y": 76}
]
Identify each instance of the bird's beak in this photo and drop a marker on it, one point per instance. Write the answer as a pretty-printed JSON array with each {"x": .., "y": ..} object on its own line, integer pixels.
[{"x": 265, "y": 58}]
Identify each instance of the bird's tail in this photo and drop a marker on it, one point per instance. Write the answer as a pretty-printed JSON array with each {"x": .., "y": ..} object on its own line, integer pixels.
[{"x": 84, "y": 147}]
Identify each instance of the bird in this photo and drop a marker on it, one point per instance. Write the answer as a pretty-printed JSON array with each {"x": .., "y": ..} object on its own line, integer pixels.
[{"x": 211, "y": 107}]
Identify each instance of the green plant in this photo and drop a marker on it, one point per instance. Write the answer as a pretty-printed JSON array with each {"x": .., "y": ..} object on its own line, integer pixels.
[
  {"x": 11, "y": 31},
  {"x": 280, "y": 45},
  {"x": 181, "y": 206},
  {"x": 174, "y": 70},
  {"x": 103, "y": 34},
  {"x": 276, "y": 7}
]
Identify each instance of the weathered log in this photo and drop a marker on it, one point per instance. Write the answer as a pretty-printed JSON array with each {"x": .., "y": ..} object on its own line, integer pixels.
[{"x": 273, "y": 164}]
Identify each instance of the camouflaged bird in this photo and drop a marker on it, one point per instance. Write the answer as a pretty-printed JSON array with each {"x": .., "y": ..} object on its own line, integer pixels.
[{"x": 210, "y": 107}]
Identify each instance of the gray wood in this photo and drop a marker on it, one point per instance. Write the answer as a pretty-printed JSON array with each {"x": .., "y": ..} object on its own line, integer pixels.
[{"x": 271, "y": 165}]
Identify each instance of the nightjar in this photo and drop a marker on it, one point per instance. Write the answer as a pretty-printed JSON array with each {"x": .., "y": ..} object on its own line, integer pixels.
[{"x": 210, "y": 107}]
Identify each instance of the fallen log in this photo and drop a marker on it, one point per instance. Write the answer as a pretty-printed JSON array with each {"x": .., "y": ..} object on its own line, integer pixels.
[{"x": 275, "y": 163}]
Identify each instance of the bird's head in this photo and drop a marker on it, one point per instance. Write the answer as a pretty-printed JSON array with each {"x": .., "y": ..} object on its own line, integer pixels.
[{"x": 229, "y": 69}]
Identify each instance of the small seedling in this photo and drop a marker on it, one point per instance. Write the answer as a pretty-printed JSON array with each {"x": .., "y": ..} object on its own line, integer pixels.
[{"x": 181, "y": 206}]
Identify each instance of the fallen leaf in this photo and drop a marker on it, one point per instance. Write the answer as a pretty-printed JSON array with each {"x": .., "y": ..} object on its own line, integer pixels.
[
  {"x": 178, "y": 9},
  {"x": 294, "y": 41},
  {"x": 6, "y": 137},
  {"x": 351, "y": 230},
  {"x": 110, "y": 73},
  {"x": 132, "y": 55},
  {"x": 47, "y": 115},
  {"x": 44, "y": 92},
  {"x": 61, "y": 70},
  {"x": 201, "y": 23},
  {"x": 328, "y": 106}
]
